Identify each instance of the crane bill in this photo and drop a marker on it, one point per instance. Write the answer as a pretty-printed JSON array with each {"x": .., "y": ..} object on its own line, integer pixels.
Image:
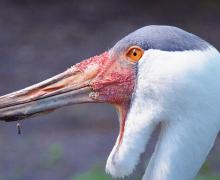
[{"x": 70, "y": 87}]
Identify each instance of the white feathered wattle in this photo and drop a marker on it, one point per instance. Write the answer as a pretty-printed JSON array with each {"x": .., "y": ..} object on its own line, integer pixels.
[{"x": 182, "y": 91}]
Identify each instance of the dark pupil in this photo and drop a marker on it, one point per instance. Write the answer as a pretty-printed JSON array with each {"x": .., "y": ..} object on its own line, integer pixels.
[{"x": 135, "y": 53}]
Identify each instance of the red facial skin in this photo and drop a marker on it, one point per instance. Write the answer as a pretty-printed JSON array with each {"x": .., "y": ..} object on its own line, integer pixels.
[
  {"x": 114, "y": 83},
  {"x": 114, "y": 80}
]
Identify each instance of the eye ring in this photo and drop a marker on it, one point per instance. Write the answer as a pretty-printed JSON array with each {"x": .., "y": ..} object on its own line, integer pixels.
[{"x": 134, "y": 53}]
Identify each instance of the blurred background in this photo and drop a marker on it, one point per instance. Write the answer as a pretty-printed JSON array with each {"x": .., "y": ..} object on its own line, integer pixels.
[{"x": 41, "y": 38}]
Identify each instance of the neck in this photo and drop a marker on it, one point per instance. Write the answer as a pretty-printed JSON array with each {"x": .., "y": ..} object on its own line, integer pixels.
[
  {"x": 181, "y": 150},
  {"x": 191, "y": 124}
]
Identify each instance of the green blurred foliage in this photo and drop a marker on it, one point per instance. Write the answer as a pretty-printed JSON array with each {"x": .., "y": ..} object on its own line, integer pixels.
[
  {"x": 96, "y": 173},
  {"x": 208, "y": 177},
  {"x": 54, "y": 155},
  {"x": 206, "y": 173},
  {"x": 206, "y": 168}
]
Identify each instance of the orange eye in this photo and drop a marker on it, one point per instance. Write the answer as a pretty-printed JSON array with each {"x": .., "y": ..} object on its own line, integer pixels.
[{"x": 134, "y": 53}]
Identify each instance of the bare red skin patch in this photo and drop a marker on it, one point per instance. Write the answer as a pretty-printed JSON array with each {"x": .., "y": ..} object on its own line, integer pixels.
[
  {"x": 122, "y": 113},
  {"x": 113, "y": 83},
  {"x": 99, "y": 59}
]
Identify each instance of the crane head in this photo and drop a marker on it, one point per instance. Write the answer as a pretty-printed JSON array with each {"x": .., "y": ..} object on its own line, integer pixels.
[{"x": 106, "y": 78}]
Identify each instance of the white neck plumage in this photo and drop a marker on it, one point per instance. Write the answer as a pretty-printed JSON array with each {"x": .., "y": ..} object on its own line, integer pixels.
[{"x": 182, "y": 91}]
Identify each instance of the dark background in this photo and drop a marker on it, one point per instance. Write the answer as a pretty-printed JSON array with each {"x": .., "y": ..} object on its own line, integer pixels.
[{"x": 41, "y": 38}]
